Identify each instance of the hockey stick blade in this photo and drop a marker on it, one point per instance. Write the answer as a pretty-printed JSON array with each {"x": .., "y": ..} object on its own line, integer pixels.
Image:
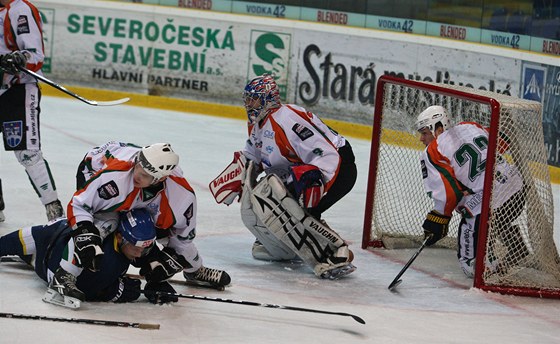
[
  {"x": 70, "y": 93},
  {"x": 184, "y": 282},
  {"x": 397, "y": 280},
  {"x": 82, "y": 321},
  {"x": 251, "y": 303},
  {"x": 394, "y": 284}
]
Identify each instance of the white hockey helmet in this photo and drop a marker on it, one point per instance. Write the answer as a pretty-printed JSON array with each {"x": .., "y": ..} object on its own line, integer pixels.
[
  {"x": 431, "y": 116},
  {"x": 158, "y": 160}
]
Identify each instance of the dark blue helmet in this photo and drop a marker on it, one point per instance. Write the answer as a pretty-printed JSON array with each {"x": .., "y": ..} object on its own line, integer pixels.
[{"x": 136, "y": 227}]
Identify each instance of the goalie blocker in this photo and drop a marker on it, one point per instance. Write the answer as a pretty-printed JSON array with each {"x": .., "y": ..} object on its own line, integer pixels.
[{"x": 285, "y": 229}]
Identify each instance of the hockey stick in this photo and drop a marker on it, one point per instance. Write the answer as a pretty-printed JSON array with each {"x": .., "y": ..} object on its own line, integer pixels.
[
  {"x": 82, "y": 321},
  {"x": 397, "y": 279},
  {"x": 70, "y": 93},
  {"x": 185, "y": 282},
  {"x": 251, "y": 303}
]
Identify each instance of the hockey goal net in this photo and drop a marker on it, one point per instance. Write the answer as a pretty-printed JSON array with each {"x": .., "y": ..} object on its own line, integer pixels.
[{"x": 397, "y": 204}]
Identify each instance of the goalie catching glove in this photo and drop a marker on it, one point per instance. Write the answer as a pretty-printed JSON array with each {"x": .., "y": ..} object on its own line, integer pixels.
[
  {"x": 87, "y": 245},
  {"x": 228, "y": 185},
  {"x": 435, "y": 226},
  {"x": 163, "y": 264},
  {"x": 308, "y": 185}
]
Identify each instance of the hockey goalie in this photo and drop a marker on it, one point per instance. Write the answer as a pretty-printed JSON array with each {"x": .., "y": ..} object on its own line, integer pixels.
[{"x": 307, "y": 168}]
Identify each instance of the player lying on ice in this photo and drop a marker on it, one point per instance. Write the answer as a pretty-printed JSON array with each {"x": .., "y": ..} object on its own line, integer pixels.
[
  {"x": 125, "y": 177},
  {"x": 43, "y": 246},
  {"x": 308, "y": 168}
]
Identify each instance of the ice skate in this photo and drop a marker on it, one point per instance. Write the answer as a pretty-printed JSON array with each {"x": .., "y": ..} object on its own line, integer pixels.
[
  {"x": 207, "y": 277},
  {"x": 54, "y": 210},
  {"x": 337, "y": 265},
  {"x": 62, "y": 290}
]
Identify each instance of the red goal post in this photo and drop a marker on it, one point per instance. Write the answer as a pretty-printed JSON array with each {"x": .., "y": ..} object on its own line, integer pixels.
[{"x": 527, "y": 263}]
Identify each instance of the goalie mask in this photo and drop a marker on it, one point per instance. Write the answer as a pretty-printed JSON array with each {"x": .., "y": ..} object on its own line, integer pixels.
[
  {"x": 137, "y": 228},
  {"x": 158, "y": 160},
  {"x": 260, "y": 95},
  {"x": 430, "y": 117}
]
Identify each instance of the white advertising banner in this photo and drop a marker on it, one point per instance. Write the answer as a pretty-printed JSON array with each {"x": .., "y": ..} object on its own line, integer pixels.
[{"x": 208, "y": 57}]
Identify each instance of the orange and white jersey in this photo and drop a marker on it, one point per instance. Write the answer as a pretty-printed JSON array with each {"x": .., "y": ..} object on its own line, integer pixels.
[
  {"x": 453, "y": 167},
  {"x": 22, "y": 30},
  {"x": 291, "y": 135},
  {"x": 172, "y": 203},
  {"x": 97, "y": 158}
]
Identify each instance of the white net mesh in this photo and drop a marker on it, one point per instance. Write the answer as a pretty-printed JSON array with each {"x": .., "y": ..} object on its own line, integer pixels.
[{"x": 520, "y": 242}]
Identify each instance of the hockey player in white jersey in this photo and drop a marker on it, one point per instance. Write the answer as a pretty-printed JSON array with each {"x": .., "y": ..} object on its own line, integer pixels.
[
  {"x": 308, "y": 166},
  {"x": 130, "y": 178},
  {"x": 453, "y": 166},
  {"x": 22, "y": 46}
]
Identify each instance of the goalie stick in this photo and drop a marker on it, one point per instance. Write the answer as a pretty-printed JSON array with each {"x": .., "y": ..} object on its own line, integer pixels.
[
  {"x": 252, "y": 303},
  {"x": 70, "y": 93},
  {"x": 397, "y": 279},
  {"x": 81, "y": 321}
]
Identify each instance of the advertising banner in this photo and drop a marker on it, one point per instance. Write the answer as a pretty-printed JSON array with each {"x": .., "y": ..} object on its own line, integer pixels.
[{"x": 204, "y": 56}]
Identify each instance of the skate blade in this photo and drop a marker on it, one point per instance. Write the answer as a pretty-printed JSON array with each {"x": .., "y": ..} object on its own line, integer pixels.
[
  {"x": 53, "y": 297},
  {"x": 200, "y": 284},
  {"x": 339, "y": 272}
]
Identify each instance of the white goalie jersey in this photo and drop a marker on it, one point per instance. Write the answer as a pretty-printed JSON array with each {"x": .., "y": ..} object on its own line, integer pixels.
[{"x": 453, "y": 169}]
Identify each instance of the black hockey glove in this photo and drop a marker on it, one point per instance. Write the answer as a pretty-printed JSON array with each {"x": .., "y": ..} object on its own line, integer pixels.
[
  {"x": 127, "y": 290},
  {"x": 87, "y": 246},
  {"x": 164, "y": 265},
  {"x": 164, "y": 296},
  {"x": 435, "y": 225},
  {"x": 12, "y": 61}
]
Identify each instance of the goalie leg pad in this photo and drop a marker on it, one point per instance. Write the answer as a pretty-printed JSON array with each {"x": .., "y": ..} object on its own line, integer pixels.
[
  {"x": 275, "y": 248},
  {"x": 313, "y": 242}
]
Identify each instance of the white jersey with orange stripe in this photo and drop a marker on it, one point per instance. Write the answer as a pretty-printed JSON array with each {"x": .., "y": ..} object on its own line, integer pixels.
[
  {"x": 453, "y": 167},
  {"x": 292, "y": 135},
  {"x": 22, "y": 31},
  {"x": 172, "y": 204},
  {"x": 96, "y": 158}
]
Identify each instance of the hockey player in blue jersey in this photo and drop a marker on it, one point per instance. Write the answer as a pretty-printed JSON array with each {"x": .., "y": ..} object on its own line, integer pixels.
[{"x": 43, "y": 246}]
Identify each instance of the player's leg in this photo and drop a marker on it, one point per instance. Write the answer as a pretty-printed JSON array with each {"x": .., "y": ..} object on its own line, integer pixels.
[
  {"x": 510, "y": 234},
  {"x": 316, "y": 244},
  {"x": 22, "y": 135},
  {"x": 266, "y": 246},
  {"x": 344, "y": 182},
  {"x": 466, "y": 244}
]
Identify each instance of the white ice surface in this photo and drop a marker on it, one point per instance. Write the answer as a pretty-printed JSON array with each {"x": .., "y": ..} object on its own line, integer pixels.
[{"x": 434, "y": 304}]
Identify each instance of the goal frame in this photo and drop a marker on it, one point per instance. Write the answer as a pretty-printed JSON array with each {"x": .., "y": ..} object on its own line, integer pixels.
[{"x": 495, "y": 107}]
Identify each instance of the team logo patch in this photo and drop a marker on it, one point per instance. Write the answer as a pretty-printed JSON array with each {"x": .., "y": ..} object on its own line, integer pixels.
[
  {"x": 302, "y": 132},
  {"x": 13, "y": 132},
  {"x": 108, "y": 190},
  {"x": 22, "y": 25},
  {"x": 188, "y": 214},
  {"x": 318, "y": 151},
  {"x": 424, "y": 169}
]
